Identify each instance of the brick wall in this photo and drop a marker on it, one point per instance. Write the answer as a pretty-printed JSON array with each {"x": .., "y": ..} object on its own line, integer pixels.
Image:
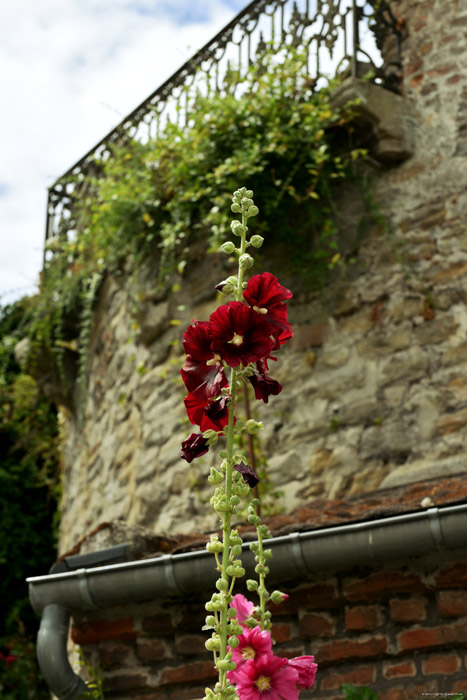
[{"x": 401, "y": 631}]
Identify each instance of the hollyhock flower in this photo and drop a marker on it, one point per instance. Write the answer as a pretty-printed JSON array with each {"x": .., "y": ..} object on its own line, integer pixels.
[
  {"x": 239, "y": 335},
  {"x": 266, "y": 296},
  {"x": 194, "y": 446},
  {"x": 202, "y": 366},
  {"x": 253, "y": 645},
  {"x": 263, "y": 385},
  {"x": 208, "y": 413},
  {"x": 268, "y": 678},
  {"x": 306, "y": 669},
  {"x": 264, "y": 292},
  {"x": 243, "y": 606},
  {"x": 249, "y": 476}
]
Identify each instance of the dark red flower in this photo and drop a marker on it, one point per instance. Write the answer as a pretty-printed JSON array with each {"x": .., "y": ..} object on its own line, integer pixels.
[
  {"x": 194, "y": 446},
  {"x": 202, "y": 365},
  {"x": 239, "y": 335},
  {"x": 266, "y": 296},
  {"x": 208, "y": 413},
  {"x": 249, "y": 476},
  {"x": 263, "y": 385}
]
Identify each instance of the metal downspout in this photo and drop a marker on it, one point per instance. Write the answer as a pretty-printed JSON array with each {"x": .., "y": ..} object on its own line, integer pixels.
[
  {"x": 52, "y": 654},
  {"x": 295, "y": 556}
]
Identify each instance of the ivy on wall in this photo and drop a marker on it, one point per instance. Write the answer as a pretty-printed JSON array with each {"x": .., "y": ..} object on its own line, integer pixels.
[{"x": 150, "y": 202}]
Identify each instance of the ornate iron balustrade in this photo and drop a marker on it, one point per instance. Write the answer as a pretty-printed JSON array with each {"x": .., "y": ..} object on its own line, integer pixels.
[{"x": 338, "y": 36}]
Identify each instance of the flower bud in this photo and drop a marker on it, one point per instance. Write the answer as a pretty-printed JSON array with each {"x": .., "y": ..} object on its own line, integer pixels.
[
  {"x": 278, "y": 597},
  {"x": 252, "y": 210},
  {"x": 252, "y": 426},
  {"x": 245, "y": 261},
  {"x": 228, "y": 247},
  {"x": 236, "y": 208},
  {"x": 237, "y": 228},
  {"x": 256, "y": 241},
  {"x": 249, "y": 194},
  {"x": 252, "y": 585},
  {"x": 233, "y": 642},
  {"x": 215, "y": 477},
  {"x": 211, "y": 621}
]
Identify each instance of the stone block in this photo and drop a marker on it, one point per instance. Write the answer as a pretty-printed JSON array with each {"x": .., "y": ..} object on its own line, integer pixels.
[{"x": 387, "y": 114}]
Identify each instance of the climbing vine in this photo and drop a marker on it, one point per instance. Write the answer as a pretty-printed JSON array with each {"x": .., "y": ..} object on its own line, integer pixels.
[{"x": 149, "y": 203}]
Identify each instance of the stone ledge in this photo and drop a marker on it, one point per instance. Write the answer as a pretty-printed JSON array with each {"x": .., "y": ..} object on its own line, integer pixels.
[{"x": 388, "y": 115}]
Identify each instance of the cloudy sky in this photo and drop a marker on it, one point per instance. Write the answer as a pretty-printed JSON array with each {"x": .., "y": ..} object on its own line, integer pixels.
[{"x": 70, "y": 70}]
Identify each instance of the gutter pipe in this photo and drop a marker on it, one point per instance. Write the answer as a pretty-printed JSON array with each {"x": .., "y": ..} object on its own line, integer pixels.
[{"x": 295, "y": 556}]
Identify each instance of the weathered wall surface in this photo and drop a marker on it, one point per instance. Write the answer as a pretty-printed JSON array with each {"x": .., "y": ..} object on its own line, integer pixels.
[
  {"x": 398, "y": 630},
  {"x": 374, "y": 381}
]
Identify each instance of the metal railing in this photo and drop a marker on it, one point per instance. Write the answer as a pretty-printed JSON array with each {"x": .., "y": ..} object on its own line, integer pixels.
[{"x": 337, "y": 36}]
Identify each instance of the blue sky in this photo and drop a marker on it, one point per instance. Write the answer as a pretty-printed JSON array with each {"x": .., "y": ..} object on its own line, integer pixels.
[{"x": 70, "y": 70}]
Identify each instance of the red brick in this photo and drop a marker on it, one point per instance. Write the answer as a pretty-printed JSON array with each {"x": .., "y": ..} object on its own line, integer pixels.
[
  {"x": 115, "y": 656},
  {"x": 407, "y": 668},
  {"x": 126, "y": 681},
  {"x": 151, "y": 650},
  {"x": 358, "y": 676},
  {"x": 158, "y": 624},
  {"x": 317, "y": 596},
  {"x": 459, "y": 687},
  {"x": 281, "y": 632},
  {"x": 363, "y": 617},
  {"x": 411, "y": 610},
  {"x": 316, "y": 625},
  {"x": 341, "y": 649},
  {"x": 452, "y": 576},
  {"x": 424, "y": 638},
  {"x": 189, "y": 673},
  {"x": 411, "y": 692},
  {"x": 381, "y": 585},
  {"x": 452, "y": 603},
  {"x": 99, "y": 630},
  {"x": 189, "y": 644},
  {"x": 445, "y": 664}
]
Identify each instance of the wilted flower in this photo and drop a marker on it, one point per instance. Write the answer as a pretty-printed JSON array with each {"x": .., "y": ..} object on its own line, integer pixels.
[
  {"x": 194, "y": 446},
  {"x": 249, "y": 476}
]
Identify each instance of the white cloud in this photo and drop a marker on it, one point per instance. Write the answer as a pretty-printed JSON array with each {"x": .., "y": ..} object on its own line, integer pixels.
[{"x": 70, "y": 70}]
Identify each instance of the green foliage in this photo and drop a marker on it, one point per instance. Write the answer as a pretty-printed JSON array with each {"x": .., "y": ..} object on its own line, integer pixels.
[
  {"x": 28, "y": 491},
  {"x": 150, "y": 203},
  {"x": 351, "y": 692},
  {"x": 19, "y": 674}
]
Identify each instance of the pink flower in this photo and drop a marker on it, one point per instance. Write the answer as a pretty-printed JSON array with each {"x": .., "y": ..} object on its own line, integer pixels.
[
  {"x": 253, "y": 644},
  {"x": 268, "y": 678},
  {"x": 239, "y": 335},
  {"x": 306, "y": 669},
  {"x": 243, "y": 607}
]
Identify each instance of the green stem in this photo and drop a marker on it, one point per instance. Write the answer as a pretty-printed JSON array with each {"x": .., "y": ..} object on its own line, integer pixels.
[{"x": 262, "y": 588}]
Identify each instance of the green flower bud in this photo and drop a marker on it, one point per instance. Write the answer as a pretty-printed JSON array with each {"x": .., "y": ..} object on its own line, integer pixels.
[
  {"x": 228, "y": 247},
  {"x": 233, "y": 642},
  {"x": 252, "y": 585},
  {"x": 245, "y": 261},
  {"x": 278, "y": 597},
  {"x": 237, "y": 228},
  {"x": 211, "y": 645},
  {"x": 236, "y": 208},
  {"x": 222, "y": 584},
  {"x": 252, "y": 211},
  {"x": 215, "y": 477},
  {"x": 252, "y": 426},
  {"x": 256, "y": 241},
  {"x": 211, "y": 621}
]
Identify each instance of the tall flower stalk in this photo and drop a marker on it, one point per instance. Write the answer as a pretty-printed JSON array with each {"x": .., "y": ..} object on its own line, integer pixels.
[{"x": 239, "y": 337}]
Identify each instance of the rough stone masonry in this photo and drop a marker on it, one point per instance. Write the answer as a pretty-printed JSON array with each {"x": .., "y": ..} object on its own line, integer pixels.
[{"x": 374, "y": 382}]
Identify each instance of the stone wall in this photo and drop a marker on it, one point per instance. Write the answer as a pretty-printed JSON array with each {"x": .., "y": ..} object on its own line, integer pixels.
[{"x": 374, "y": 381}]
